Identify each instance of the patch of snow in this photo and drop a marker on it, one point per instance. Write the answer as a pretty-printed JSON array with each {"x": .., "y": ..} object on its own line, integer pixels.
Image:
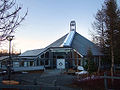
[
  {"x": 24, "y": 72},
  {"x": 4, "y": 71},
  {"x": 82, "y": 72},
  {"x": 90, "y": 78},
  {"x": 80, "y": 68}
]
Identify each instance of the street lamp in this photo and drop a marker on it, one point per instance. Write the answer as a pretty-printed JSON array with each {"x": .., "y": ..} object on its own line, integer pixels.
[{"x": 9, "y": 38}]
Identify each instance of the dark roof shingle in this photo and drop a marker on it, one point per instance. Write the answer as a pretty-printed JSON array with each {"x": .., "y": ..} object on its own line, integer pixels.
[{"x": 81, "y": 44}]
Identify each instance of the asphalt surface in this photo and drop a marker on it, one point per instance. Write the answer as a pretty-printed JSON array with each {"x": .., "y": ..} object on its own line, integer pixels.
[{"x": 49, "y": 78}]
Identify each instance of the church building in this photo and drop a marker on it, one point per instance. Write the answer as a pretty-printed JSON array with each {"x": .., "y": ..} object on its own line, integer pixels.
[{"x": 68, "y": 51}]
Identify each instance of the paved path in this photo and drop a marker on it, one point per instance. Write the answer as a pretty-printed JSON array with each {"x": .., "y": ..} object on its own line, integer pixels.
[
  {"x": 51, "y": 73},
  {"x": 56, "y": 78},
  {"x": 47, "y": 78}
]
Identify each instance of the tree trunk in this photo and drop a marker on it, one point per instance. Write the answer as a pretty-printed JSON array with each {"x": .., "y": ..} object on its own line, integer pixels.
[
  {"x": 112, "y": 64},
  {"x": 99, "y": 66},
  {"x": 88, "y": 65}
]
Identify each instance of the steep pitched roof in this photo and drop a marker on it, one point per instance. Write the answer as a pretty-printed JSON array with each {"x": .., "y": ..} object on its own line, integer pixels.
[
  {"x": 36, "y": 52},
  {"x": 81, "y": 44},
  {"x": 58, "y": 42}
]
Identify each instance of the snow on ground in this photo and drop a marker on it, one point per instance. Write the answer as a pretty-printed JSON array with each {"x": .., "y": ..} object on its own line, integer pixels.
[
  {"x": 82, "y": 72},
  {"x": 80, "y": 68}
]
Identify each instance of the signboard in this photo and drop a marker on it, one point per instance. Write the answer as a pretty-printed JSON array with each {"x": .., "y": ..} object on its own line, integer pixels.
[{"x": 60, "y": 63}]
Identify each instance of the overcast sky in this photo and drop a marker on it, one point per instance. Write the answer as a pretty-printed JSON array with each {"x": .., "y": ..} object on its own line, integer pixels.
[{"x": 48, "y": 20}]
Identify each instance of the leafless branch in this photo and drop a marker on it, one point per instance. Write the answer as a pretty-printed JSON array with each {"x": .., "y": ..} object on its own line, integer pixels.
[{"x": 9, "y": 17}]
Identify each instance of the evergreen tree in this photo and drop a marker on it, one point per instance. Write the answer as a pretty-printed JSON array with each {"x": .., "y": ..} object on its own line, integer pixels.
[
  {"x": 111, "y": 21},
  {"x": 90, "y": 66},
  {"x": 107, "y": 26}
]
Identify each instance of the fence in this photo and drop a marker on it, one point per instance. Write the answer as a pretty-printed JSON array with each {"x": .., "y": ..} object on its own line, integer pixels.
[{"x": 105, "y": 77}]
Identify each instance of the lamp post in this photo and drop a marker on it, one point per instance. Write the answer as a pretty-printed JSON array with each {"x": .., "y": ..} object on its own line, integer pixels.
[{"x": 9, "y": 38}]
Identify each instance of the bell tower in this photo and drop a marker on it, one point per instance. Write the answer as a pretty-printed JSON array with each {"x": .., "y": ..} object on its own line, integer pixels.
[{"x": 72, "y": 26}]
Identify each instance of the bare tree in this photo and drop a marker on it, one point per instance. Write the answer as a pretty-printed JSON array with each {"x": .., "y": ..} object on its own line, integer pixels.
[
  {"x": 9, "y": 17},
  {"x": 99, "y": 32},
  {"x": 99, "y": 29}
]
